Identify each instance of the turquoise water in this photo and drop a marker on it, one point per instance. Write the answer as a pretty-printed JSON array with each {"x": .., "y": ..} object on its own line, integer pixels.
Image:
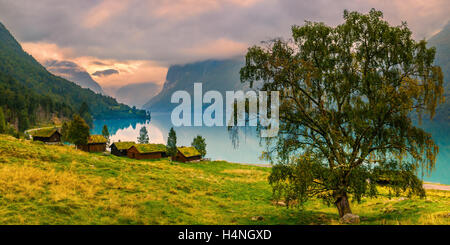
[
  {"x": 441, "y": 136},
  {"x": 218, "y": 142},
  {"x": 220, "y": 147}
]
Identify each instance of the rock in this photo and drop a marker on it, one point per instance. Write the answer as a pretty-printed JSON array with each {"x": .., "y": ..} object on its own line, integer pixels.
[
  {"x": 257, "y": 218},
  {"x": 350, "y": 219},
  {"x": 280, "y": 203},
  {"x": 447, "y": 215},
  {"x": 364, "y": 218}
]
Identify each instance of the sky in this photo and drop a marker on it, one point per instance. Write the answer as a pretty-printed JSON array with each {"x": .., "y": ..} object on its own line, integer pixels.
[{"x": 135, "y": 41}]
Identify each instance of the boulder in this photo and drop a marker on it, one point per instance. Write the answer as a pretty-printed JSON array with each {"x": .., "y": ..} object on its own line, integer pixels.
[
  {"x": 258, "y": 218},
  {"x": 350, "y": 219}
]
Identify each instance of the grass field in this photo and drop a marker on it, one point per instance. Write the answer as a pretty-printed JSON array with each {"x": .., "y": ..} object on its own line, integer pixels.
[{"x": 41, "y": 184}]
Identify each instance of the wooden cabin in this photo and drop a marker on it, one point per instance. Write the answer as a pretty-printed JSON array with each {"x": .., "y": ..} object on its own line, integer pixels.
[
  {"x": 147, "y": 151},
  {"x": 96, "y": 143},
  {"x": 50, "y": 135},
  {"x": 121, "y": 148},
  {"x": 187, "y": 154}
]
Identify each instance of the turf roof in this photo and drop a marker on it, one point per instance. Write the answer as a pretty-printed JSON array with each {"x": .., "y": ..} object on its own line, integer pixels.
[
  {"x": 150, "y": 148},
  {"x": 125, "y": 145},
  {"x": 97, "y": 139},
  {"x": 46, "y": 132},
  {"x": 189, "y": 151}
]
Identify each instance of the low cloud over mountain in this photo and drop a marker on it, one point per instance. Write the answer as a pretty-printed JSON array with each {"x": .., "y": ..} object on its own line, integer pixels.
[
  {"x": 74, "y": 73},
  {"x": 105, "y": 73}
]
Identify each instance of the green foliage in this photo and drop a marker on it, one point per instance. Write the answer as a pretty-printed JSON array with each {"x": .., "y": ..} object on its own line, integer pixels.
[
  {"x": 85, "y": 113},
  {"x": 51, "y": 92},
  {"x": 105, "y": 133},
  {"x": 143, "y": 136},
  {"x": 2, "y": 121},
  {"x": 346, "y": 93},
  {"x": 172, "y": 143},
  {"x": 58, "y": 185},
  {"x": 65, "y": 132},
  {"x": 24, "y": 123},
  {"x": 78, "y": 131},
  {"x": 23, "y": 104},
  {"x": 199, "y": 144}
]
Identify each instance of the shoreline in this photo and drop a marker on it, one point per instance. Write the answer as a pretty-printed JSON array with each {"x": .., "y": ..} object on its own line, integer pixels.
[{"x": 426, "y": 185}]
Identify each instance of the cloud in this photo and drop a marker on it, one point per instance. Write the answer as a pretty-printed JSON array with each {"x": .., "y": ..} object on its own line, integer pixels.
[
  {"x": 127, "y": 71},
  {"x": 103, "y": 11},
  {"x": 105, "y": 73},
  {"x": 165, "y": 32},
  {"x": 220, "y": 48}
]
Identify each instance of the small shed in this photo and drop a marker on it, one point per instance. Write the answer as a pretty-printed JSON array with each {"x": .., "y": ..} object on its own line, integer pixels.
[
  {"x": 96, "y": 143},
  {"x": 147, "y": 151},
  {"x": 48, "y": 135},
  {"x": 187, "y": 154},
  {"x": 121, "y": 148}
]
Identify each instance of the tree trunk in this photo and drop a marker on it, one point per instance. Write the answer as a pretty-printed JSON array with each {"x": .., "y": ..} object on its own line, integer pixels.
[{"x": 343, "y": 205}]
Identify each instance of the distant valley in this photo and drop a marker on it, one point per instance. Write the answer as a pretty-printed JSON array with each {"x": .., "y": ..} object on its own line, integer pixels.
[{"x": 219, "y": 75}]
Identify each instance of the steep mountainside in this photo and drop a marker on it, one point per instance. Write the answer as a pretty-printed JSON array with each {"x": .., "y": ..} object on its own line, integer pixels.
[
  {"x": 442, "y": 43},
  {"x": 136, "y": 94},
  {"x": 220, "y": 75},
  {"x": 22, "y": 67},
  {"x": 74, "y": 73}
]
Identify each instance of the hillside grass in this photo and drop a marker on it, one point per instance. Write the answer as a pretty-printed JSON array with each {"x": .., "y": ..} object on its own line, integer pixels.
[{"x": 42, "y": 184}]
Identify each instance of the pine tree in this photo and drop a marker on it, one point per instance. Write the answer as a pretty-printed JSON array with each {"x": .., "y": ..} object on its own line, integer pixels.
[
  {"x": 2, "y": 122},
  {"x": 172, "y": 143},
  {"x": 105, "y": 133},
  {"x": 24, "y": 123},
  {"x": 143, "y": 136},
  {"x": 199, "y": 144},
  {"x": 65, "y": 132}
]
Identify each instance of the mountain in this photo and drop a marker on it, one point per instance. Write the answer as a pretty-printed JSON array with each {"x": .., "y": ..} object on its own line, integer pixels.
[
  {"x": 219, "y": 75},
  {"x": 441, "y": 42},
  {"x": 74, "y": 73},
  {"x": 136, "y": 94},
  {"x": 17, "y": 65}
]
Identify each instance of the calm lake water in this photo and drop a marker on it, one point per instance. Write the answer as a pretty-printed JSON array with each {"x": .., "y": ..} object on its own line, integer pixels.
[{"x": 220, "y": 146}]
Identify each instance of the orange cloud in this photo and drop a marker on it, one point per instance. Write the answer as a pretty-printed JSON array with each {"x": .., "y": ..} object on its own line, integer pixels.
[
  {"x": 130, "y": 71},
  {"x": 42, "y": 51},
  {"x": 181, "y": 9},
  {"x": 220, "y": 48},
  {"x": 103, "y": 11}
]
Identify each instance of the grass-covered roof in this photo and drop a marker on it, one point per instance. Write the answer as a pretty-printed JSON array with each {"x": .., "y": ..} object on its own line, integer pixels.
[
  {"x": 125, "y": 145},
  {"x": 189, "y": 151},
  {"x": 150, "y": 148},
  {"x": 46, "y": 132},
  {"x": 97, "y": 139}
]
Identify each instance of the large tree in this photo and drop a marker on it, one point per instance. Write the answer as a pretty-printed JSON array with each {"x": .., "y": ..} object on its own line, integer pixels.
[{"x": 347, "y": 96}]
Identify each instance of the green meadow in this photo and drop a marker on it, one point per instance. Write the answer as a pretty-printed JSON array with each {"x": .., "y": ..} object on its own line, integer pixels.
[{"x": 43, "y": 184}]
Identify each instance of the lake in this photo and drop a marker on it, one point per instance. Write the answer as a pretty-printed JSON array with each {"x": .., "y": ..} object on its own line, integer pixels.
[
  {"x": 220, "y": 146},
  {"x": 218, "y": 141}
]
